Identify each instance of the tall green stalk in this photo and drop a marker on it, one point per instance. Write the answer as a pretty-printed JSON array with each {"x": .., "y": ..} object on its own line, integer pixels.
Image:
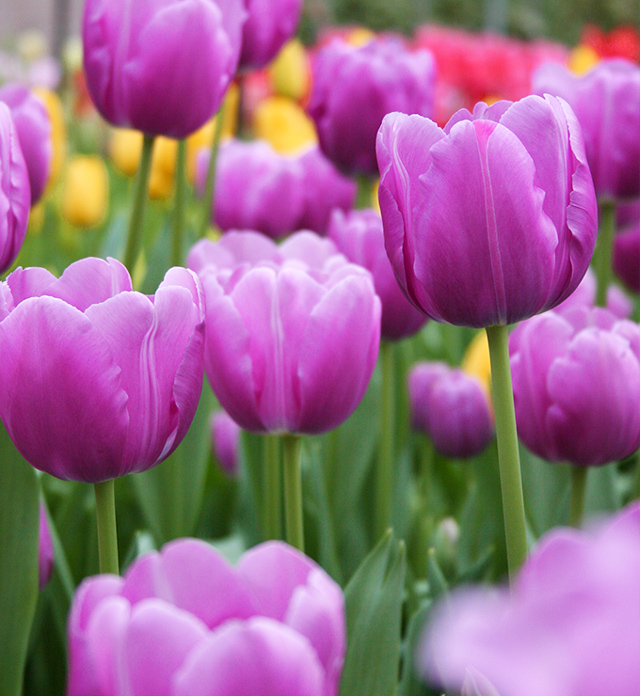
[
  {"x": 508, "y": 454},
  {"x": 179, "y": 204},
  {"x": 385, "y": 472},
  {"x": 107, "y": 532},
  {"x": 604, "y": 249},
  {"x": 272, "y": 488},
  {"x": 576, "y": 499},
  {"x": 207, "y": 208},
  {"x": 292, "y": 447},
  {"x": 136, "y": 220}
]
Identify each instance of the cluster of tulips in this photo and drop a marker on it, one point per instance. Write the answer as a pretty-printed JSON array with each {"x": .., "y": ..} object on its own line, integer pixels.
[{"x": 418, "y": 326}]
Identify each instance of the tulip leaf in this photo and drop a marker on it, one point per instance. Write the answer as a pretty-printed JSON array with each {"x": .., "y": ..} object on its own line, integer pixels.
[
  {"x": 374, "y": 610},
  {"x": 19, "y": 533}
]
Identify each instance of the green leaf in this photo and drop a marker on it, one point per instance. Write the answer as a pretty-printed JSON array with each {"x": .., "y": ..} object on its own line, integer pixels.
[
  {"x": 374, "y": 611},
  {"x": 19, "y": 533},
  {"x": 411, "y": 684}
]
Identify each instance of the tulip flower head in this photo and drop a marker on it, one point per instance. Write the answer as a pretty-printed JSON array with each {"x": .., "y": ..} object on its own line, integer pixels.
[
  {"x": 185, "y": 622},
  {"x": 85, "y": 191},
  {"x": 98, "y": 381},
  {"x": 491, "y": 219},
  {"x": 225, "y": 436},
  {"x": 139, "y": 60}
]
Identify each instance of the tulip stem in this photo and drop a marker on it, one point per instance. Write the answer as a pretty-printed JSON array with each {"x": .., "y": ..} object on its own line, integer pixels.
[
  {"x": 273, "y": 489},
  {"x": 578, "y": 490},
  {"x": 603, "y": 252},
  {"x": 107, "y": 533},
  {"x": 136, "y": 221},
  {"x": 508, "y": 454},
  {"x": 208, "y": 209},
  {"x": 180, "y": 200},
  {"x": 384, "y": 474},
  {"x": 292, "y": 446}
]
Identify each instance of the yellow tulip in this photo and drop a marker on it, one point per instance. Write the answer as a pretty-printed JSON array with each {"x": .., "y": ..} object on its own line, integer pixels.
[
  {"x": 284, "y": 124},
  {"x": 582, "y": 59},
  {"x": 359, "y": 36},
  {"x": 163, "y": 167},
  {"x": 55, "y": 110},
  {"x": 86, "y": 191},
  {"x": 125, "y": 148},
  {"x": 476, "y": 361},
  {"x": 290, "y": 72}
]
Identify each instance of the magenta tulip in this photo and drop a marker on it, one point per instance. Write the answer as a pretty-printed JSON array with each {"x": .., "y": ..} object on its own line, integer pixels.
[
  {"x": 270, "y": 24},
  {"x": 161, "y": 66},
  {"x": 451, "y": 407},
  {"x": 585, "y": 296},
  {"x": 359, "y": 236},
  {"x": 576, "y": 380},
  {"x": 225, "y": 436},
  {"x": 354, "y": 87},
  {"x": 34, "y": 134},
  {"x": 15, "y": 191},
  {"x": 606, "y": 101},
  {"x": 98, "y": 381},
  {"x": 568, "y": 627},
  {"x": 183, "y": 621},
  {"x": 491, "y": 219}
]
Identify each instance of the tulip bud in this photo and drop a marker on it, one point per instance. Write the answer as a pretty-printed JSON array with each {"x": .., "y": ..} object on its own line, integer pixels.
[{"x": 86, "y": 191}]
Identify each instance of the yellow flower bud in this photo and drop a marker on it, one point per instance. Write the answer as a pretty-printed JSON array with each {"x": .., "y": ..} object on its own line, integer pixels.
[
  {"x": 125, "y": 148},
  {"x": 290, "y": 73},
  {"x": 163, "y": 167},
  {"x": 55, "y": 110},
  {"x": 476, "y": 361},
  {"x": 582, "y": 59},
  {"x": 359, "y": 36},
  {"x": 86, "y": 191},
  {"x": 284, "y": 124}
]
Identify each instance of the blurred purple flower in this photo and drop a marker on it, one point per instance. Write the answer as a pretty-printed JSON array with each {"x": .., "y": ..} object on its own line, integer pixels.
[
  {"x": 184, "y": 622},
  {"x": 45, "y": 550},
  {"x": 606, "y": 101},
  {"x": 98, "y": 381},
  {"x": 576, "y": 380},
  {"x": 15, "y": 191},
  {"x": 451, "y": 407},
  {"x": 161, "y": 66},
  {"x": 585, "y": 296},
  {"x": 34, "y": 134},
  {"x": 354, "y": 87},
  {"x": 359, "y": 236},
  {"x": 491, "y": 219},
  {"x": 568, "y": 627},
  {"x": 225, "y": 435}
]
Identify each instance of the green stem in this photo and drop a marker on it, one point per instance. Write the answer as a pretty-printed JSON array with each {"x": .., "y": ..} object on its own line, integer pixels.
[
  {"x": 207, "y": 208},
  {"x": 292, "y": 445},
  {"x": 273, "y": 489},
  {"x": 364, "y": 198},
  {"x": 180, "y": 201},
  {"x": 107, "y": 533},
  {"x": 136, "y": 221},
  {"x": 384, "y": 473},
  {"x": 578, "y": 490},
  {"x": 508, "y": 454},
  {"x": 604, "y": 248}
]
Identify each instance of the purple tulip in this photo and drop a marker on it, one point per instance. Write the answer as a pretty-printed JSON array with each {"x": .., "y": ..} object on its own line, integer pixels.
[
  {"x": 225, "y": 434},
  {"x": 160, "y": 66},
  {"x": 45, "y": 550},
  {"x": 270, "y": 24},
  {"x": 585, "y": 296},
  {"x": 576, "y": 380},
  {"x": 568, "y": 627},
  {"x": 359, "y": 236},
  {"x": 34, "y": 134},
  {"x": 353, "y": 88},
  {"x": 491, "y": 219},
  {"x": 291, "y": 342},
  {"x": 451, "y": 407},
  {"x": 606, "y": 101},
  {"x": 183, "y": 621},
  {"x": 98, "y": 381},
  {"x": 15, "y": 191}
]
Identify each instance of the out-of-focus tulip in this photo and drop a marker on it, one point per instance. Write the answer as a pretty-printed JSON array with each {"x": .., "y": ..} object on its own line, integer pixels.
[
  {"x": 85, "y": 194},
  {"x": 353, "y": 88},
  {"x": 185, "y": 622},
  {"x": 15, "y": 191},
  {"x": 451, "y": 407},
  {"x": 292, "y": 340},
  {"x": 621, "y": 42},
  {"x": 125, "y": 149},
  {"x": 140, "y": 70},
  {"x": 582, "y": 59},
  {"x": 34, "y": 134},
  {"x": 567, "y": 627},
  {"x": 477, "y": 361},
  {"x": 270, "y": 24},
  {"x": 45, "y": 550},
  {"x": 55, "y": 110},
  {"x": 576, "y": 380},
  {"x": 284, "y": 124},
  {"x": 225, "y": 433},
  {"x": 606, "y": 101},
  {"x": 626, "y": 249},
  {"x": 491, "y": 219},
  {"x": 98, "y": 381},
  {"x": 290, "y": 71},
  {"x": 359, "y": 236},
  {"x": 585, "y": 296}
]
